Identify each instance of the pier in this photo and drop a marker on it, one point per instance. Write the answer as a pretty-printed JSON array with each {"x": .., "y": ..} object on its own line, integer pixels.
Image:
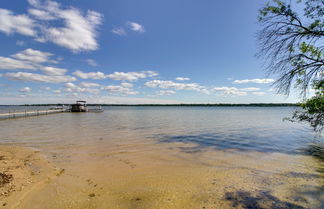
[{"x": 28, "y": 113}]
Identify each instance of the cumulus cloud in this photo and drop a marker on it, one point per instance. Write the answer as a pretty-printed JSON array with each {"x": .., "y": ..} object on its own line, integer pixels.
[
  {"x": 230, "y": 91},
  {"x": 172, "y": 85},
  {"x": 89, "y": 85},
  {"x": 28, "y": 59},
  {"x": 33, "y": 56},
  {"x": 25, "y": 89},
  {"x": 91, "y": 62},
  {"x": 89, "y": 75},
  {"x": 47, "y": 88},
  {"x": 48, "y": 21},
  {"x": 78, "y": 31},
  {"x": 182, "y": 79},
  {"x": 41, "y": 14},
  {"x": 33, "y": 77},
  {"x": 119, "y": 90},
  {"x": 8, "y": 63},
  {"x": 53, "y": 71},
  {"x": 256, "y": 80},
  {"x": 120, "y": 76},
  {"x": 131, "y": 76},
  {"x": 119, "y": 31},
  {"x": 136, "y": 27},
  {"x": 178, "y": 86},
  {"x": 236, "y": 91},
  {"x": 57, "y": 91},
  {"x": 71, "y": 87},
  {"x": 166, "y": 92},
  {"x": 11, "y": 23},
  {"x": 127, "y": 85}
]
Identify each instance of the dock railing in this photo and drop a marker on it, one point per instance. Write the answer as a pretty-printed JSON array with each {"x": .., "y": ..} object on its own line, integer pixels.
[{"x": 27, "y": 113}]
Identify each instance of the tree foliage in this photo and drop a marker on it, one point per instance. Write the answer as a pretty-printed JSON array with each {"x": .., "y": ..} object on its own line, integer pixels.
[
  {"x": 292, "y": 44},
  {"x": 313, "y": 109}
]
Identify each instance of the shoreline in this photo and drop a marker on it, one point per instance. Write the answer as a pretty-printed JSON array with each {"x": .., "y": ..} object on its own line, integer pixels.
[{"x": 122, "y": 177}]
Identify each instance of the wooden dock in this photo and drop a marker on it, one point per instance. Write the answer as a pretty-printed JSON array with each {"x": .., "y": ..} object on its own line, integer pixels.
[{"x": 28, "y": 113}]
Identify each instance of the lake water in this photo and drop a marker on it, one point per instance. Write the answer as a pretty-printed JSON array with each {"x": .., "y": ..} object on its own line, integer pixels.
[{"x": 175, "y": 157}]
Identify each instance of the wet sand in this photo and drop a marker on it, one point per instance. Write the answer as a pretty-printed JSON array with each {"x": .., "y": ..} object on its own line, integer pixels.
[
  {"x": 152, "y": 175},
  {"x": 23, "y": 171}
]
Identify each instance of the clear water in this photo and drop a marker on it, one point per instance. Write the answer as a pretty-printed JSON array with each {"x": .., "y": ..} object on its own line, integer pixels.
[
  {"x": 234, "y": 128},
  {"x": 172, "y": 157}
]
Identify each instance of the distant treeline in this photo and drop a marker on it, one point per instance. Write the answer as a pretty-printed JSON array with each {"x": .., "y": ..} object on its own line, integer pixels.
[{"x": 181, "y": 105}]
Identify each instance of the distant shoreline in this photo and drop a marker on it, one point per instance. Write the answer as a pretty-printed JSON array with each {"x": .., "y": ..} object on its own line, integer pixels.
[{"x": 177, "y": 105}]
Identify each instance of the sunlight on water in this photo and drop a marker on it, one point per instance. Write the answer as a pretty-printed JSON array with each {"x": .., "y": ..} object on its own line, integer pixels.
[{"x": 172, "y": 157}]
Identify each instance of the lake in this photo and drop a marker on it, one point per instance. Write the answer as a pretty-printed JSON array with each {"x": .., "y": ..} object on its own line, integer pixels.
[{"x": 172, "y": 157}]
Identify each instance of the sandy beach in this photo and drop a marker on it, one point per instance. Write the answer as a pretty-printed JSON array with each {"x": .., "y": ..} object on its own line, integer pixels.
[
  {"x": 23, "y": 172},
  {"x": 151, "y": 176}
]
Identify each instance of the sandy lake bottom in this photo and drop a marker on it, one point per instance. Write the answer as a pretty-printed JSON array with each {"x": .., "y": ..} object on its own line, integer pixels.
[
  {"x": 129, "y": 166},
  {"x": 151, "y": 176}
]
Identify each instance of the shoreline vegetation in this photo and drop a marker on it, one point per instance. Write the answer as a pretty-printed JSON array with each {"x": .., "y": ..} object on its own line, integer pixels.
[{"x": 177, "y": 105}]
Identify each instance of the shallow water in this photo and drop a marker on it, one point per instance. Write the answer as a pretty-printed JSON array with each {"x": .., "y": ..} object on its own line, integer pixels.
[{"x": 173, "y": 157}]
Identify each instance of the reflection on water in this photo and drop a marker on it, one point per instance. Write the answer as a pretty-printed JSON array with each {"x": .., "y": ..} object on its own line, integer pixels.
[
  {"x": 242, "y": 128},
  {"x": 173, "y": 157}
]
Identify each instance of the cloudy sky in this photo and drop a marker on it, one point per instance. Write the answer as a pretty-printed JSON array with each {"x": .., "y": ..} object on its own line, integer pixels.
[{"x": 126, "y": 51}]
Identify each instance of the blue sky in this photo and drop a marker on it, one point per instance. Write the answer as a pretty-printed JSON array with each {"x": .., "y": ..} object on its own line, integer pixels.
[{"x": 125, "y": 51}]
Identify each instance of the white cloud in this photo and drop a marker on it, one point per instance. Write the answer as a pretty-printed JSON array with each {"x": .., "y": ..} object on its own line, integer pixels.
[
  {"x": 28, "y": 59},
  {"x": 13, "y": 64},
  {"x": 79, "y": 31},
  {"x": 53, "y": 71},
  {"x": 119, "y": 90},
  {"x": 256, "y": 80},
  {"x": 57, "y": 91},
  {"x": 182, "y": 79},
  {"x": 131, "y": 76},
  {"x": 41, "y": 14},
  {"x": 258, "y": 93},
  {"x": 136, "y": 27},
  {"x": 119, "y": 31},
  {"x": 90, "y": 75},
  {"x": 230, "y": 91},
  {"x": 33, "y": 77},
  {"x": 25, "y": 89},
  {"x": 91, "y": 62},
  {"x": 89, "y": 85},
  {"x": 166, "y": 92},
  {"x": 46, "y": 88},
  {"x": 71, "y": 87},
  {"x": 127, "y": 85},
  {"x": 173, "y": 85},
  {"x": 33, "y": 56},
  {"x": 10, "y": 23},
  {"x": 67, "y": 27},
  {"x": 100, "y": 99}
]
